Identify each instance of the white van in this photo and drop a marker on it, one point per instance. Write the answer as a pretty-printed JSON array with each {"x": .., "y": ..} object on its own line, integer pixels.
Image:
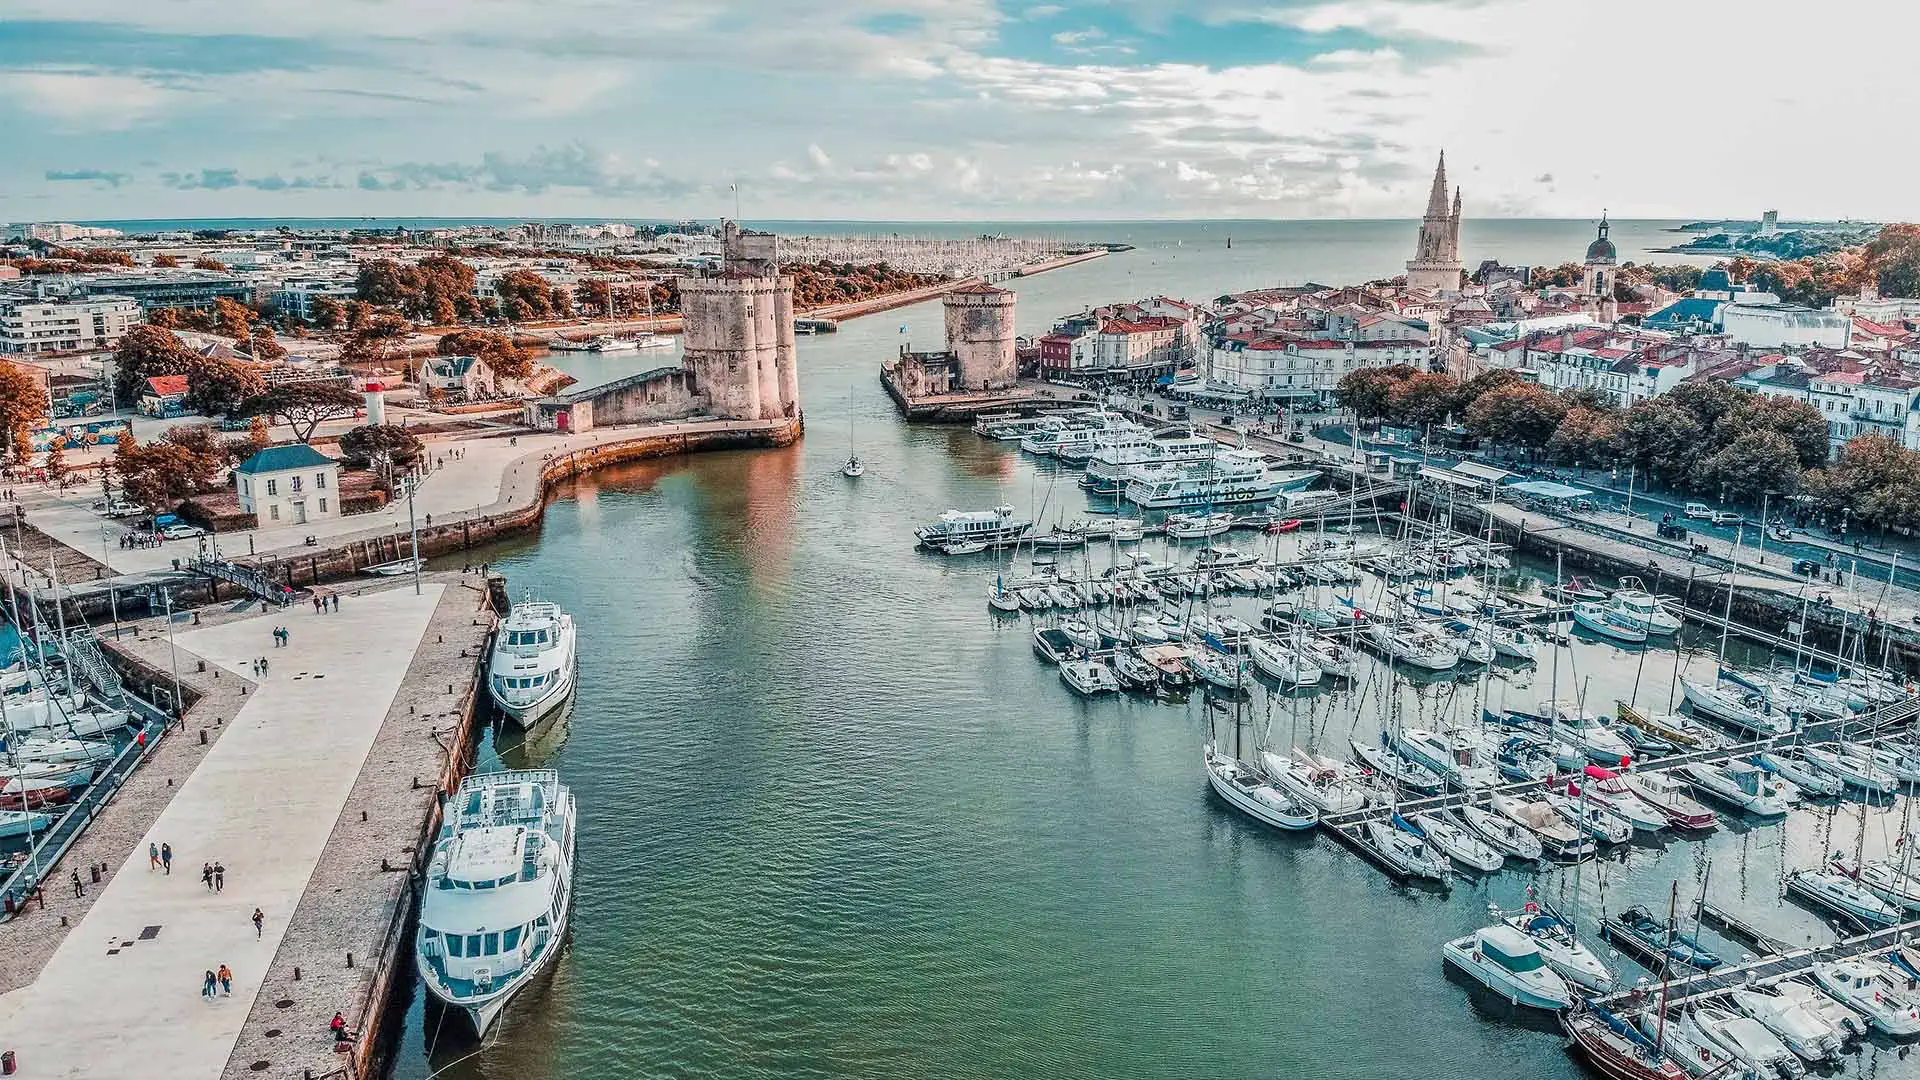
[{"x": 1699, "y": 510}]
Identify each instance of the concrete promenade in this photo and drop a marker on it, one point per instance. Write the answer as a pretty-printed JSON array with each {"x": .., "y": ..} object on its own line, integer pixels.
[{"x": 120, "y": 996}]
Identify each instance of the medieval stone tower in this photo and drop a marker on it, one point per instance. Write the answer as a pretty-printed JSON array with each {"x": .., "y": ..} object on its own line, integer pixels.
[
  {"x": 1436, "y": 261},
  {"x": 738, "y": 331},
  {"x": 980, "y": 336}
]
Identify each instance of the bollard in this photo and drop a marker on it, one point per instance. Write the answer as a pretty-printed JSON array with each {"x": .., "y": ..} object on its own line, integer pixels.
[
  {"x": 296, "y": 974},
  {"x": 200, "y": 666},
  {"x": 363, "y": 815},
  {"x": 95, "y": 871},
  {"x": 416, "y": 783},
  {"x": 203, "y": 736},
  {"x": 7, "y": 1063},
  {"x": 349, "y": 959}
]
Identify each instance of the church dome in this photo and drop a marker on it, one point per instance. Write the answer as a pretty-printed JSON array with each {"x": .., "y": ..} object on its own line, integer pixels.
[{"x": 1601, "y": 249}]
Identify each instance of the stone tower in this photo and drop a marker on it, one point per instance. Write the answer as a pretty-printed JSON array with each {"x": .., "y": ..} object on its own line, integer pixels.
[
  {"x": 1598, "y": 280},
  {"x": 980, "y": 335},
  {"x": 738, "y": 331},
  {"x": 1436, "y": 261}
]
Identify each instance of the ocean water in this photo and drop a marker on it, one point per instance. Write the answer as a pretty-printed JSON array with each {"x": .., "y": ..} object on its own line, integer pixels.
[{"x": 839, "y": 821}]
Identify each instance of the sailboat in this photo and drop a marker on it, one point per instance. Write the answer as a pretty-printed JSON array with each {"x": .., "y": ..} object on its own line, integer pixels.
[{"x": 854, "y": 466}]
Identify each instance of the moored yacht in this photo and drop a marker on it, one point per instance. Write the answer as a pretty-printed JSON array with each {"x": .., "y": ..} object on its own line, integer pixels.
[
  {"x": 995, "y": 526},
  {"x": 499, "y": 888},
  {"x": 533, "y": 663},
  {"x": 1227, "y": 477},
  {"x": 1110, "y": 467},
  {"x": 1508, "y": 962}
]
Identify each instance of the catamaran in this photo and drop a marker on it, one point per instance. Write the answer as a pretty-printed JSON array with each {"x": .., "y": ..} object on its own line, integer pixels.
[{"x": 499, "y": 888}]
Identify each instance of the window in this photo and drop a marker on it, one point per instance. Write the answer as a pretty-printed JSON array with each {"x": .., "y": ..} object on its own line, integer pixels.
[
  {"x": 323, "y": 505},
  {"x": 512, "y": 939},
  {"x": 453, "y": 945},
  {"x": 473, "y": 944},
  {"x": 296, "y": 484},
  {"x": 493, "y": 945},
  {"x": 273, "y": 487},
  {"x": 244, "y": 488},
  {"x": 320, "y": 480},
  {"x": 274, "y": 511}
]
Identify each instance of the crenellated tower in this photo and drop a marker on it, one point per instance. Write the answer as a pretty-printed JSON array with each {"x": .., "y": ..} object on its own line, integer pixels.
[{"x": 1436, "y": 261}]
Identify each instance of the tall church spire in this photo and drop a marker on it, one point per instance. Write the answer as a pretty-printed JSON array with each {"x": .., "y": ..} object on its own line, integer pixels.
[{"x": 1437, "y": 201}]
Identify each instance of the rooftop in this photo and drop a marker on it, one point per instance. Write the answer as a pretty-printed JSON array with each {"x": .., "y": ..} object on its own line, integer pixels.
[{"x": 284, "y": 459}]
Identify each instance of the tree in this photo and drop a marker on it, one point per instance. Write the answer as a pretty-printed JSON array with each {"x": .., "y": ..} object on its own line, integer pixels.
[
  {"x": 232, "y": 319},
  {"x": 158, "y": 476},
  {"x": 524, "y": 295},
  {"x": 215, "y": 386},
  {"x": 206, "y": 456},
  {"x": 56, "y": 464},
  {"x": 1873, "y": 478},
  {"x": 264, "y": 346},
  {"x": 507, "y": 360},
  {"x": 23, "y": 407},
  {"x": 208, "y": 262},
  {"x": 1590, "y": 398},
  {"x": 329, "y": 314},
  {"x": 1800, "y": 422},
  {"x": 1585, "y": 435},
  {"x": 145, "y": 352},
  {"x": 1494, "y": 379},
  {"x": 1707, "y": 399},
  {"x": 1522, "y": 414},
  {"x": 595, "y": 295},
  {"x": 363, "y": 445},
  {"x": 1369, "y": 391},
  {"x": 165, "y": 262},
  {"x": 302, "y": 406},
  {"x": 1663, "y": 439},
  {"x": 1422, "y": 399},
  {"x": 1893, "y": 258},
  {"x": 383, "y": 282},
  {"x": 1754, "y": 463}
]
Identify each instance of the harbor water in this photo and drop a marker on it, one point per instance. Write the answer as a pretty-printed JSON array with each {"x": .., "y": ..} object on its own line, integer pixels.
[{"x": 838, "y": 820}]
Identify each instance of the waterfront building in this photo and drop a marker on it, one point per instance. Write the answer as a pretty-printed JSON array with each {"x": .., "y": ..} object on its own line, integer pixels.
[
  {"x": 61, "y": 232},
  {"x": 288, "y": 485},
  {"x": 31, "y": 326},
  {"x": 980, "y": 337},
  {"x": 1774, "y": 326},
  {"x": 180, "y": 288},
  {"x": 738, "y": 331},
  {"x": 1436, "y": 264},
  {"x": 297, "y": 297}
]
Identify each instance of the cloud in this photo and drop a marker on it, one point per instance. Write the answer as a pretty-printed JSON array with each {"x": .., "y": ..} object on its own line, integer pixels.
[
  {"x": 574, "y": 167},
  {"x": 1544, "y": 178},
  {"x": 223, "y": 179},
  {"x": 103, "y": 176}
]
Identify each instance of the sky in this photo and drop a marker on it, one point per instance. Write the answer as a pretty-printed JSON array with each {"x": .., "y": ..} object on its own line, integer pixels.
[{"x": 953, "y": 109}]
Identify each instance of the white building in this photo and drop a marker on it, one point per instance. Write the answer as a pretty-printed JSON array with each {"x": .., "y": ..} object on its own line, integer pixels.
[
  {"x": 297, "y": 298},
  {"x": 60, "y": 232},
  {"x": 288, "y": 485},
  {"x": 1775, "y": 326},
  {"x": 43, "y": 326}
]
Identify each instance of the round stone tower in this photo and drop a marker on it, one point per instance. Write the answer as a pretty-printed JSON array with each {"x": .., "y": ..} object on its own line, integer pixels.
[
  {"x": 980, "y": 335},
  {"x": 733, "y": 342}
]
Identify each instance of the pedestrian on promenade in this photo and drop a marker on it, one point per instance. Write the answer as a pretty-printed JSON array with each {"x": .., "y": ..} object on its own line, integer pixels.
[
  {"x": 79, "y": 890},
  {"x": 226, "y": 980},
  {"x": 153, "y": 856},
  {"x": 336, "y": 601},
  {"x": 219, "y": 877},
  {"x": 166, "y": 858},
  {"x": 266, "y": 666},
  {"x": 259, "y": 923},
  {"x": 207, "y": 983},
  {"x": 206, "y": 875}
]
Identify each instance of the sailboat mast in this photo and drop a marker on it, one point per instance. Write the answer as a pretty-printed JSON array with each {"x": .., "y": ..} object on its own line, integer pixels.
[{"x": 1666, "y": 970}]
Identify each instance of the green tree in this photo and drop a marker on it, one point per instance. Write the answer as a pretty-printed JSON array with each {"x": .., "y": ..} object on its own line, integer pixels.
[
  {"x": 1521, "y": 415},
  {"x": 507, "y": 360},
  {"x": 232, "y": 319},
  {"x": 363, "y": 445},
  {"x": 215, "y": 386},
  {"x": 1663, "y": 438},
  {"x": 1493, "y": 379},
  {"x": 1754, "y": 463},
  {"x": 145, "y": 352},
  {"x": 301, "y": 406},
  {"x": 1893, "y": 258},
  {"x": 1369, "y": 391},
  {"x": 1422, "y": 399},
  {"x": 329, "y": 314},
  {"x": 1707, "y": 399},
  {"x": 524, "y": 295},
  {"x": 23, "y": 407},
  {"x": 1590, "y": 398},
  {"x": 1799, "y": 422},
  {"x": 1585, "y": 436},
  {"x": 595, "y": 295},
  {"x": 1874, "y": 478}
]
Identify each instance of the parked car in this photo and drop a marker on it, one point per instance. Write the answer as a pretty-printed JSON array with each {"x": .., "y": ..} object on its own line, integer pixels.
[
  {"x": 180, "y": 531},
  {"x": 1725, "y": 517},
  {"x": 114, "y": 508},
  {"x": 1699, "y": 510}
]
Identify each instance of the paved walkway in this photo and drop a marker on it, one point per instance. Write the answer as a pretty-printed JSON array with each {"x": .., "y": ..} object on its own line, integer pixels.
[{"x": 120, "y": 997}]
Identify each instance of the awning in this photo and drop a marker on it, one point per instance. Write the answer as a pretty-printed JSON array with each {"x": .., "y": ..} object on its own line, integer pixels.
[
  {"x": 1448, "y": 476},
  {"x": 1547, "y": 489},
  {"x": 1482, "y": 472}
]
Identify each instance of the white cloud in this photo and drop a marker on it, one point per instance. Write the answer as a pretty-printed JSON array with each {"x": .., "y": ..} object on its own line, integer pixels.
[{"x": 90, "y": 99}]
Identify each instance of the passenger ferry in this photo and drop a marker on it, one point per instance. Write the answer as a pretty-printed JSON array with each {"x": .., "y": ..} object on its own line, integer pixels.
[
  {"x": 1227, "y": 478},
  {"x": 1083, "y": 430},
  {"x": 1109, "y": 469},
  {"x": 1079, "y": 451},
  {"x": 990, "y": 527},
  {"x": 533, "y": 661},
  {"x": 499, "y": 888},
  {"x": 1012, "y": 427}
]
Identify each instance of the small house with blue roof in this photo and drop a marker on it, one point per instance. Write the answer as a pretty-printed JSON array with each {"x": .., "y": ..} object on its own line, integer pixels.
[{"x": 288, "y": 485}]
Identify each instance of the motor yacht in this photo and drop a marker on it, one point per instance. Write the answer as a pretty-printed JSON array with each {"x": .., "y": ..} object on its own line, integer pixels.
[
  {"x": 1884, "y": 880},
  {"x": 1804, "y": 1032},
  {"x": 1745, "y": 712},
  {"x": 533, "y": 663},
  {"x": 1853, "y": 770},
  {"x": 993, "y": 527},
  {"x": 1640, "y": 609},
  {"x": 1868, "y": 989},
  {"x": 1390, "y": 764},
  {"x": 1665, "y": 793},
  {"x": 1599, "y": 822},
  {"x": 1745, "y": 1040},
  {"x": 1742, "y": 785},
  {"x": 1554, "y": 832},
  {"x": 1407, "y": 852},
  {"x": 1508, "y": 962},
  {"x": 1608, "y": 623},
  {"x": 1837, "y": 892},
  {"x": 1562, "y": 948},
  {"x": 1793, "y": 766},
  {"x": 498, "y": 890},
  {"x": 1089, "y": 677},
  {"x": 1455, "y": 757},
  {"x": 1280, "y": 663},
  {"x": 1610, "y": 790},
  {"x": 1320, "y": 782}
]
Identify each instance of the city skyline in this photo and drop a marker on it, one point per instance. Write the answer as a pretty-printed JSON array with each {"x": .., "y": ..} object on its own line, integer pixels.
[{"x": 931, "y": 110}]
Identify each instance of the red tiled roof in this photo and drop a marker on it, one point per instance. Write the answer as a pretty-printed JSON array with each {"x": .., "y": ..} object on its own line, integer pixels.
[
  {"x": 167, "y": 385},
  {"x": 1874, "y": 328},
  {"x": 979, "y": 288},
  {"x": 1143, "y": 326},
  {"x": 1849, "y": 378}
]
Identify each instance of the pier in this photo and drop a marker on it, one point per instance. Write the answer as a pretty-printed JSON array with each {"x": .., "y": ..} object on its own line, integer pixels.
[
  {"x": 316, "y": 787},
  {"x": 1762, "y": 971}
]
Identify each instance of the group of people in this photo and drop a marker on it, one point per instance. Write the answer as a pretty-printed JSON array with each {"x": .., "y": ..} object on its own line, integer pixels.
[
  {"x": 132, "y": 540},
  {"x": 322, "y": 604},
  {"x": 214, "y": 875},
  {"x": 280, "y": 637},
  {"x": 222, "y": 979}
]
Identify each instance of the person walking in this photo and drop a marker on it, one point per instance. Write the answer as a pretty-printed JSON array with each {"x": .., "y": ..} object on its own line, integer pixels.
[
  {"x": 226, "y": 980},
  {"x": 153, "y": 856},
  {"x": 207, "y": 983},
  {"x": 206, "y": 875},
  {"x": 79, "y": 890},
  {"x": 219, "y": 877},
  {"x": 336, "y": 601},
  {"x": 259, "y": 924},
  {"x": 166, "y": 858}
]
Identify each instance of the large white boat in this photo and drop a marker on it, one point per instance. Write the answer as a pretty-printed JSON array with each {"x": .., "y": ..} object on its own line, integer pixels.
[
  {"x": 1734, "y": 707},
  {"x": 1508, "y": 962},
  {"x": 1247, "y": 790},
  {"x": 1457, "y": 759},
  {"x": 1083, "y": 430},
  {"x": 1868, "y": 988},
  {"x": 499, "y": 888},
  {"x": 954, "y": 527},
  {"x": 1741, "y": 784},
  {"x": 533, "y": 663},
  {"x": 1109, "y": 467},
  {"x": 1641, "y": 610},
  {"x": 1229, "y": 477}
]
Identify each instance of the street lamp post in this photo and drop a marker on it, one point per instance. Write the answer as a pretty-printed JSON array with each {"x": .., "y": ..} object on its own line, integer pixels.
[
  {"x": 1766, "y": 499},
  {"x": 413, "y": 528},
  {"x": 166, "y": 598}
]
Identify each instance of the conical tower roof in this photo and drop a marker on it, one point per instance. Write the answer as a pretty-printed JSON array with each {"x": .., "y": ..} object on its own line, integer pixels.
[{"x": 1437, "y": 201}]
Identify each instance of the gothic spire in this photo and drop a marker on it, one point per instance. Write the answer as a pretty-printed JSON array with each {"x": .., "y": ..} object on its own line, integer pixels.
[{"x": 1437, "y": 201}]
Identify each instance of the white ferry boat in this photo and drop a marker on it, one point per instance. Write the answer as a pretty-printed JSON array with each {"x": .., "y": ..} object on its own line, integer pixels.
[
  {"x": 1085, "y": 430},
  {"x": 1109, "y": 469},
  {"x": 960, "y": 527},
  {"x": 499, "y": 888},
  {"x": 1006, "y": 427},
  {"x": 533, "y": 661},
  {"x": 1078, "y": 451},
  {"x": 1227, "y": 478}
]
